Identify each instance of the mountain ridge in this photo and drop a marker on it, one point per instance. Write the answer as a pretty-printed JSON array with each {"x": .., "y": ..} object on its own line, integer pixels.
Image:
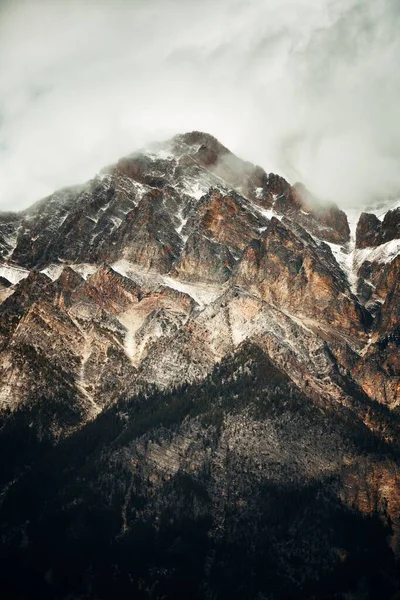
[{"x": 145, "y": 288}]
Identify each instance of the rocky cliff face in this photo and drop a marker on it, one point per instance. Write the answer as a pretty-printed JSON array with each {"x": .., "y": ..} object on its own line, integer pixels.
[
  {"x": 371, "y": 231},
  {"x": 174, "y": 261}
]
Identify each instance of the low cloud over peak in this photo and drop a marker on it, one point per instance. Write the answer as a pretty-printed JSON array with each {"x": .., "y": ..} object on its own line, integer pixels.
[{"x": 309, "y": 90}]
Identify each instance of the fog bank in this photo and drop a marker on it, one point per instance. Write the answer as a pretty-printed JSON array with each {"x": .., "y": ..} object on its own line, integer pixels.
[{"x": 307, "y": 89}]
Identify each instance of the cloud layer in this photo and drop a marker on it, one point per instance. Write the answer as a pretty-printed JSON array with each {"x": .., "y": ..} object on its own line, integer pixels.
[{"x": 308, "y": 89}]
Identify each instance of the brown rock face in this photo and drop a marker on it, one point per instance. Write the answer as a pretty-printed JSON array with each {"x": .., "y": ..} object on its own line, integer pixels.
[
  {"x": 289, "y": 271},
  {"x": 65, "y": 285},
  {"x": 108, "y": 290},
  {"x": 226, "y": 220},
  {"x": 277, "y": 185},
  {"x": 374, "y": 488},
  {"x": 241, "y": 175},
  {"x": 368, "y": 232},
  {"x": 336, "y": 221},
  {"x": 204, "y": 260},
  {"x": 36, "y": 287},
  {"x": 385, "y": 276},
  {"x": 140, "y": 169},
  {"x": 198, "y": 213},
  {"x": 375, "y": 280},
  {"x": 326, "y": 221},
  {"x": 206, "y": 156},
  {"x": 203, "y": 141},
  {"x": 222, "y": 336},
  {"x": 373, "y": 232},
  {"x": 147, "y": 236},
  {"x": 391, "y": 225},
  {"x": 378, "y": 372},
  {"x": 134, "y": 168},
  {"x": 388, "y": 318},
  {"x": 379, "y": 369}
]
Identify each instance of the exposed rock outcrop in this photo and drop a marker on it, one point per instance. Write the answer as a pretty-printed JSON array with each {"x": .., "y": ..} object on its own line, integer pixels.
[
  {"x": 371, "y": 231},
  {"x": 190, "y": 331},
  {"x": 204, "y": 260},
  {"x": 292, "y": 273}
]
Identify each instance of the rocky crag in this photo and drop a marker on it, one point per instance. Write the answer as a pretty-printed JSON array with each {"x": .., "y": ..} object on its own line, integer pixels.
[{"x": 205, "y": 342}]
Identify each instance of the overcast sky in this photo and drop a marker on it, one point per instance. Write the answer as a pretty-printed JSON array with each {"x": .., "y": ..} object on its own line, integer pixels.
[{"x": 306, "y": 88}]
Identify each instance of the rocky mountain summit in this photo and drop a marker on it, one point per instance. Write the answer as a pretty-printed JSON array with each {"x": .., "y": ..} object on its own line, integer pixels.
[{"x": 203, "y": 340}]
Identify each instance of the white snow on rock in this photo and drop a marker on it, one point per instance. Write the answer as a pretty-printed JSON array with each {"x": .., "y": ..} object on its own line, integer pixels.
[
  {"x": 196, "y": 187},
  {"x": 11, "y": 241},
  {"x": 85, "y": 269},
  {"x": 132, "y": 320},
  {"x": 53, "y": 271},
  {"x": 136, "y": 272},
  {"x": 384, "y": 253},
  {"x": 344, "y": 256},
  {"x": 353, "y": 216},
  {"x": 201, "y": 293},
  {"x": 183, "y": 222},
  {"x": 350, "y": 259},
  {"x": 197, "y": 190},
  {"x": 13, "y": 274},
  {"x": 268, "y": 213}
]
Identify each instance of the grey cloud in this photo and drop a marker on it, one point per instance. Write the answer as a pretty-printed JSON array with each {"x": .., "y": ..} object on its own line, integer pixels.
[{"x": 309, "y": 90}]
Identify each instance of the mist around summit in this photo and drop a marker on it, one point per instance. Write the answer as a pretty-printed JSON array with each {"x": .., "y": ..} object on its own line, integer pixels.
[{"x": 308, "y": 90}]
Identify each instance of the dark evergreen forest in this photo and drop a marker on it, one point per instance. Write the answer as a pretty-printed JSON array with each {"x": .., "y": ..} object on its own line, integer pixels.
[{"x": 95, "y": 517}]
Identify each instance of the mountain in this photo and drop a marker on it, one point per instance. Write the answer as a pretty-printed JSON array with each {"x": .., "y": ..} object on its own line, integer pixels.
[{"x": 199, "y": 387}]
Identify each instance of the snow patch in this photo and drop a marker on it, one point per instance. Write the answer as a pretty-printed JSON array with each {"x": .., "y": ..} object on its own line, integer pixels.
[
  {"x": 13, "y": 274},
  {"x": 116, "y": 221},
  {"x": 195, "y": 189},
  {"x": 201, "y": 293},
  {"x": 53, "y": 271},
  {"x": 345, "y": 258},
  {"x": 353, "y": 216},
  {"x": 181, "y": 226},
  {"x": 384, "y": 253},
  {"x": 85, "y": 269},
  {"x": 268, "y": 213},
  {"x": 350, "y": 259},
  {"x": 132, "y": 320},
  {"x": 136, "y": 272},
  {"x": 12, "y": 241},
  {"x": 160, "y": 154},
  {"x": 345, "y": 254},
  {"x": 238, "y": 334}
]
